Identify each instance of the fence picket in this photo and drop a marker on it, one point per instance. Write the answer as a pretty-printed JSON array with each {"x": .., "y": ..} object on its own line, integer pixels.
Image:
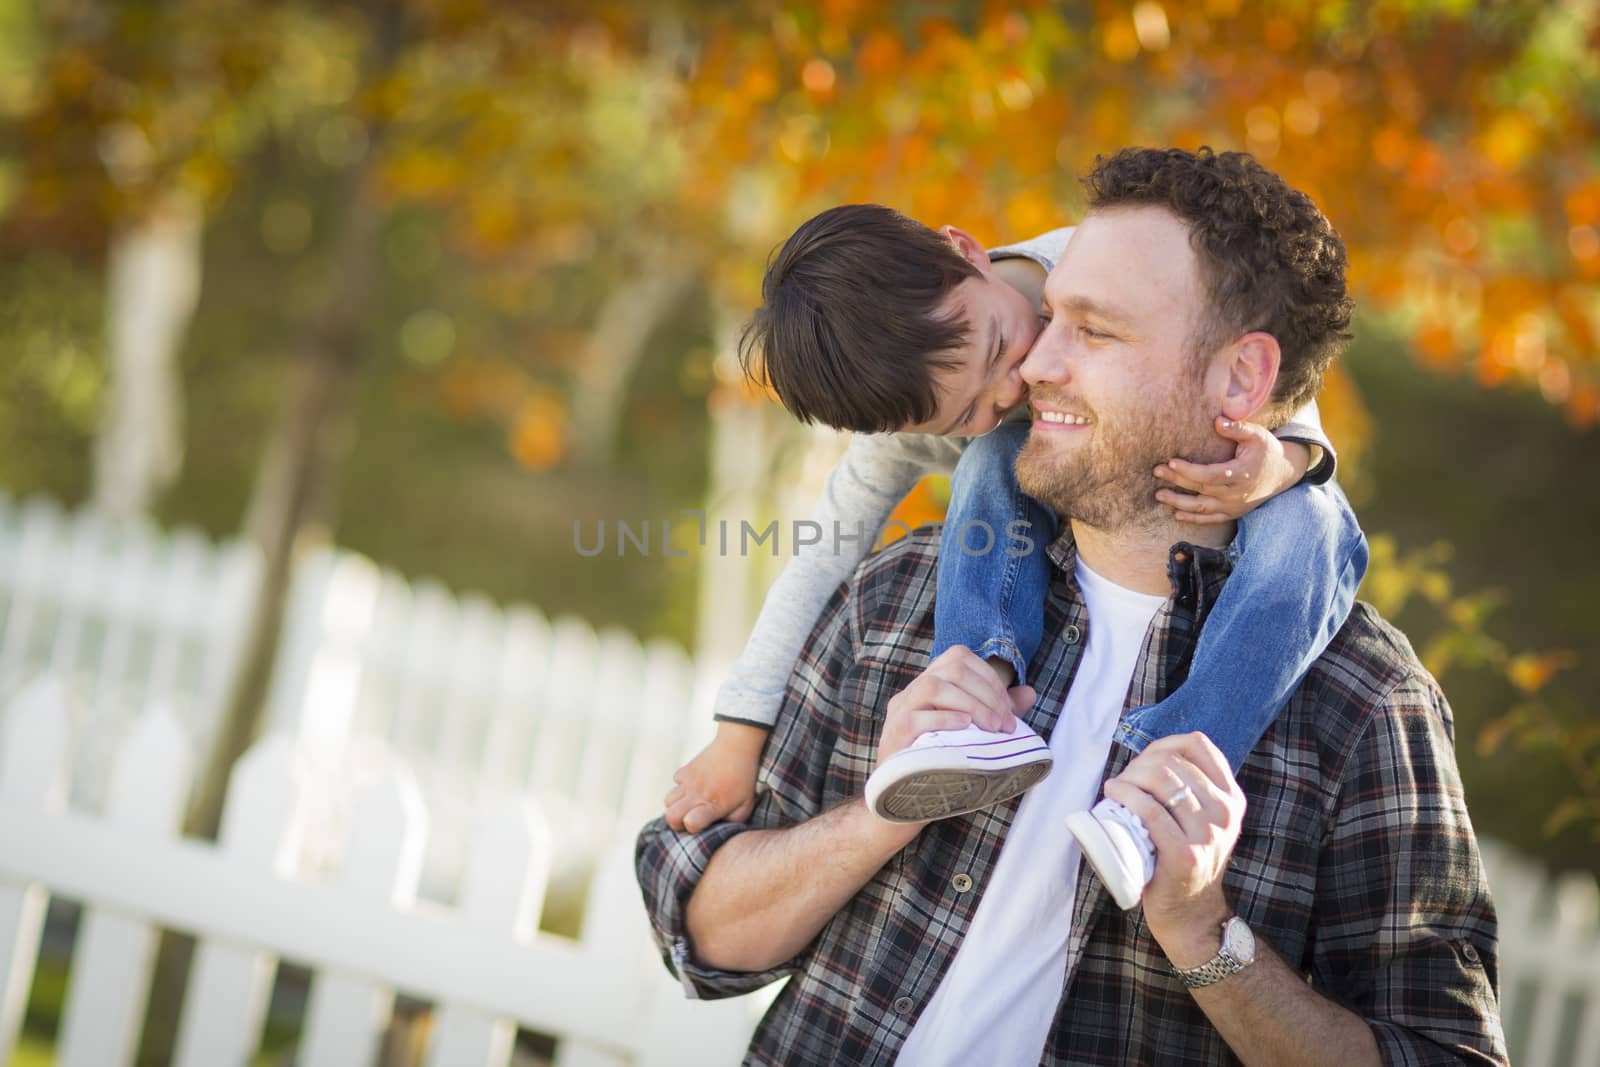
[
  {"x": 658, "y": 732},
  {"x": 427, "y": 646},
  {"x": 502, "y": 893},
  {"x": 33, "y": 776},
  {"x": 34, "y": 572},
  {"x": 383, "y": 862},
  {"x": 114, "y": 954},
  {"x": 609, "y": 731},
  {"x": 78, "y": 585},
  {"x": 569, "y": 693},
  {"x": 517, "y": 700},
  {"x": 229, "y": 984},
  {"x": 612, "y": 935},
  {"x": 467, "y": 689},
  {"x": 131, "y": 585}
]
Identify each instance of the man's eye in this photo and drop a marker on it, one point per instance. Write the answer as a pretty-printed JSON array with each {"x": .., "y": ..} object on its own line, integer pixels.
[{"x": 1091, "y": 332}]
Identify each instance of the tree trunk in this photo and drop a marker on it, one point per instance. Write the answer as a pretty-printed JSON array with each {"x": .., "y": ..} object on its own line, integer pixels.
[
  {"x": 291, "y": 506},
  {"x": 626, "y": 322},
  {"x": 153, "y": 283}
]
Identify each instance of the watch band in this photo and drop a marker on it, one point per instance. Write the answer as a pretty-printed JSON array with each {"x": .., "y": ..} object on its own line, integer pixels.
[
  {"x": 1238, "y": 951},
  {"x": 1213, "y": 970}
]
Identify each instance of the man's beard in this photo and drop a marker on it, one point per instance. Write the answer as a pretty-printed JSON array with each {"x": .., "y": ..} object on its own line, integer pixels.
[{"x": 1107, "y": 482}]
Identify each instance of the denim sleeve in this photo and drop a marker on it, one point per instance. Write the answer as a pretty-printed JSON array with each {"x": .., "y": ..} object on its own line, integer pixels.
[
  {"x": 876, "y": 472},
  {"x": 1305, "y": 426},
  {"x": 1408, "y": 936}
]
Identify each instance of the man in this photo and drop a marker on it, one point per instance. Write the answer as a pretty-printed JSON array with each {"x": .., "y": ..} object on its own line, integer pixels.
[{"x": 1328, "y": 906}]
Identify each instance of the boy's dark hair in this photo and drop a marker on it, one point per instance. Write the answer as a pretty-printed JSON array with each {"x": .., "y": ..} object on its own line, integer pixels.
[
  {"x": 849, "y": 333},
  {"x": 1269, "y": 260}
]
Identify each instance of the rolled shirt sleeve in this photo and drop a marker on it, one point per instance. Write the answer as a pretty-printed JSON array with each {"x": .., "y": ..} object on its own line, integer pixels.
[
  {"x": 790, "y": 788},
  {"x": 1406, "y": 935}
]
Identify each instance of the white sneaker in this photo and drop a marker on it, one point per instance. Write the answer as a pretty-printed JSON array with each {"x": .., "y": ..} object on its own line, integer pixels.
[
  {"x": 952, "y": 772},
  {"x": 1117, "y": 845}
]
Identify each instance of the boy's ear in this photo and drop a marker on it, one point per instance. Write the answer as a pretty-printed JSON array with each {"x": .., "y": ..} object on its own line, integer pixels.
[
  {"x": 970, "y": 247},
  {"x": 1251, "y": 364}
]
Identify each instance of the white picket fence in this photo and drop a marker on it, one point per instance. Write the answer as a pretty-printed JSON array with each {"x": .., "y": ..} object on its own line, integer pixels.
[
  {"x": 1549, "y": 961},
  {"x": 124, "y": 613},
  {"x": 474, "y": 697},
  {"x": 483, "y": 964},
  {"x": 485, "y": 707},
  {"x": 477, "y": 699}
]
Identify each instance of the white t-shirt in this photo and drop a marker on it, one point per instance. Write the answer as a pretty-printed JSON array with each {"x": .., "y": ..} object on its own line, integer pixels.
[{"x": 997, "y": 1001}]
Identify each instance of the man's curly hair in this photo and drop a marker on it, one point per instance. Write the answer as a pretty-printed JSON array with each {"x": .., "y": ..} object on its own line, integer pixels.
[{"x": 1269, "y": 260}]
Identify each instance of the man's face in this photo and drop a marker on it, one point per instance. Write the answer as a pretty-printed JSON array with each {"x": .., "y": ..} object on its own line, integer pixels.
[
  {"x": 1116, "y": 387},
  {"x": 986, "y": 381}
]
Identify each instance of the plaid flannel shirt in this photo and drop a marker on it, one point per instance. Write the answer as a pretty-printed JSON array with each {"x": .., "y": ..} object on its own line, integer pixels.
[{"x": 1356, "y": 860}]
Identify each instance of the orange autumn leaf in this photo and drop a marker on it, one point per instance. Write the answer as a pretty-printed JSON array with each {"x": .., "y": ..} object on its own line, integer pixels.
[
  {"x": 1531, "y": 672},
  {"x": 923, "y": 505}
]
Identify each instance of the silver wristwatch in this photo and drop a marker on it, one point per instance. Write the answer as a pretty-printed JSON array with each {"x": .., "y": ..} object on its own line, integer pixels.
[{"x": 1238, "y": 952}]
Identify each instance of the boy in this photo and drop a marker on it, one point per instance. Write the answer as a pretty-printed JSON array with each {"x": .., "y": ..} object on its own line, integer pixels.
[{"x": 913, "y": 339}]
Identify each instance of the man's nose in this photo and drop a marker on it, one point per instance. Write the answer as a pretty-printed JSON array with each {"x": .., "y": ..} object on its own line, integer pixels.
[{"x": 1046, "y": 362}]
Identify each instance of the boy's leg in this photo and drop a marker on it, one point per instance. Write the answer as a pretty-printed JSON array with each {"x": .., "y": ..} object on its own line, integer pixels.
[
  {"x": 993, "y": 572},
  {"x": 1299, "y": 559},
  {"x": 993, "y": 575}
]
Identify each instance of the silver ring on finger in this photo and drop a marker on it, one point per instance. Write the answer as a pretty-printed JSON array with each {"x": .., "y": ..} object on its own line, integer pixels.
[{"x": 1179, "y": 797}]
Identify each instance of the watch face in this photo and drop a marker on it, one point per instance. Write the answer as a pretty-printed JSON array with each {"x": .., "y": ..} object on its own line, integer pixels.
[{"x": 1238, "y": 941}]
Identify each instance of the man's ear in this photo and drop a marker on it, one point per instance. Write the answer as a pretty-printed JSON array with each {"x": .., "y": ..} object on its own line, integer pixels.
[
  {"x": 970, "y": 248},
  {"x": 1252, "y": 367}
]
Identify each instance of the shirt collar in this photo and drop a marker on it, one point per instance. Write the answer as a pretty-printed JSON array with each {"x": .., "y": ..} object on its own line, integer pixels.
[{"x": 1197, "y": 572}]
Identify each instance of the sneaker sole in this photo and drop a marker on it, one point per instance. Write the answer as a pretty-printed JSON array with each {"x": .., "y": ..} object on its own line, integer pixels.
[
  {"x": 1124, "y": 884},
  {"x": 941, "y": 794}
]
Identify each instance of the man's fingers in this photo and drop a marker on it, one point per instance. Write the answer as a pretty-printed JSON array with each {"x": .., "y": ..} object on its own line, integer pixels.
[
  {"x": 1165, "y": 833},
  {"x": 966, "y": 694},
  {"x": 927, "y": 721},
  {"x": 1199, "y": 750},
  {"x": 672, "y": 796},
  {"x": 1022, "y": 697},
  {"x": 743, "y": 812}
]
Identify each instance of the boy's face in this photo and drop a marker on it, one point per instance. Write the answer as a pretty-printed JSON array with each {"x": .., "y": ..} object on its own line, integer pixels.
[{"x": 987, "y": 381}]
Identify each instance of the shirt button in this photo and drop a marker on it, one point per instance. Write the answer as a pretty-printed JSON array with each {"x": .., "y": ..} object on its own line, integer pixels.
[
  {"x": 903, "y": 1006},
  {"x": 961, "y": 883},
  {"x": 1470, "y": 951},
  {"x": 1072, "y": 634}
]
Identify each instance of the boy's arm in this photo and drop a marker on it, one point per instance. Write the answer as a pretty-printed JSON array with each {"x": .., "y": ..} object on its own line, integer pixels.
[
  {"x": 1262, "y": 466},
  {"x": 1305, "y": 426},
  {"x": 875, "y": 474}
]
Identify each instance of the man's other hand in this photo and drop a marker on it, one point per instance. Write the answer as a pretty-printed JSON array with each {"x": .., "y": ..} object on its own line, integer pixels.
[{"x": 1183, "y": 790}]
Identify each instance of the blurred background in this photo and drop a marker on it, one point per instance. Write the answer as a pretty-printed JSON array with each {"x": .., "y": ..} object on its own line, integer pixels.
[{"x": 432, "y": 281}]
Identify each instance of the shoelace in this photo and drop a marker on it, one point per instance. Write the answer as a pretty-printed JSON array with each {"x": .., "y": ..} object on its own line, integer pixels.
[{"x": 1109, "y": 810}]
